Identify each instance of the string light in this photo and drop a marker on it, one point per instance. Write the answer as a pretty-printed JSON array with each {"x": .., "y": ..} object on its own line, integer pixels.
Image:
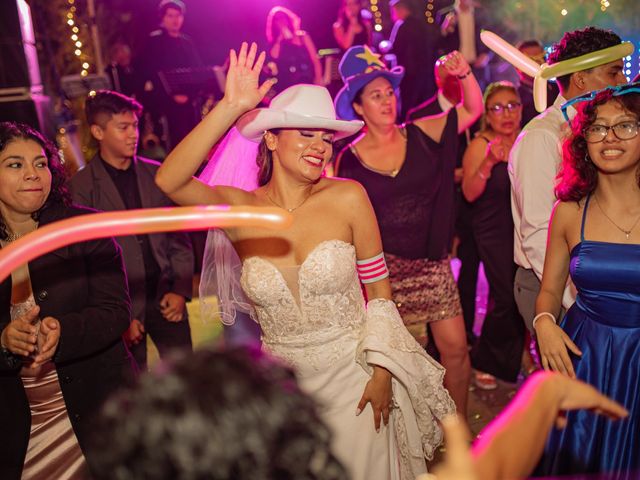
[
  {"x": 377, "y": 16},
  {"x": 75, "y": 38},
  {"x": 564, "y": 12},
  {"x": 429, "y": 12}
]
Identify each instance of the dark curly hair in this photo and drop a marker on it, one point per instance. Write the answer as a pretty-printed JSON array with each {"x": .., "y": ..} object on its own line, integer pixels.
[
  {"x": 59, "y": 195},
  {"x": 578, "y": 175},
  {"x": 214, "y": 415},
  {"x": 580, "y": 42}
]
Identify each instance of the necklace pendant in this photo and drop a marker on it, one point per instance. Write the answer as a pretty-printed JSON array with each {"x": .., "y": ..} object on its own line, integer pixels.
[
  {"x": 627, "y": 234},
  {"x": 290, "y": 210}
]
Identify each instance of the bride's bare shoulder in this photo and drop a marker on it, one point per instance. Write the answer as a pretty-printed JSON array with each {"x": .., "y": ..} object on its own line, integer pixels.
[
  {"x": 343, "y": 191},
  {"x": 340, "y": 186}
]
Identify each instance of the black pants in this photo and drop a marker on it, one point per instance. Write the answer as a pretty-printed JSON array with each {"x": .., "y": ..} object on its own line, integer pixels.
[
  {"x": 469, "y": 265},
  {"x": 166, "y": 335},
  {"x": 498, "y": 351}
]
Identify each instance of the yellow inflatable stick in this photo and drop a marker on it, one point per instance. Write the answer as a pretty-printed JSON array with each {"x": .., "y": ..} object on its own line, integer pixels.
[
  {"x": 585, "y": 62},
  {"x": 542, "y": 73}
]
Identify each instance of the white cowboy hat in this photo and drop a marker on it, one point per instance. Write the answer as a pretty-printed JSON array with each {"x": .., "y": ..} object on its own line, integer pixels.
[{"x": 299, "y": 106}]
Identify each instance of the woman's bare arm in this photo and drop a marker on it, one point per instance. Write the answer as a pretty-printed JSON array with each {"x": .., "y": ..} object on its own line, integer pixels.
[
  {"x": 471, "y": 107},
  {"x": 476, "y": 166},
  {"x": 315, "y": 60},
  {"x": 552, "y": 340}
]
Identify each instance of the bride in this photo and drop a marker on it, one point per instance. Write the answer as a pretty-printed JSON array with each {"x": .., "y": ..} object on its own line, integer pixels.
[{"x": 379, "y": 392}]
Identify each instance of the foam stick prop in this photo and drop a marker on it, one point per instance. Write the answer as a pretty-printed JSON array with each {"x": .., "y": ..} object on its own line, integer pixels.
[
  {"x": 522, "y": 62},
  {"x": 135, "y": 222},
  {"x": 510, "y": 53},
  {"x": 544, "y": 72},
  {"x": 539, "y": 93}
]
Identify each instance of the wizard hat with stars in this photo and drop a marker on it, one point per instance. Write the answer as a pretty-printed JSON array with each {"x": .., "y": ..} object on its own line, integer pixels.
[{"x": 359, "y": 66}]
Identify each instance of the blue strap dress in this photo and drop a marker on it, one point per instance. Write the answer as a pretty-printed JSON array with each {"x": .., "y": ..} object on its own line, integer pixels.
[{"x": 605, "y": 324}]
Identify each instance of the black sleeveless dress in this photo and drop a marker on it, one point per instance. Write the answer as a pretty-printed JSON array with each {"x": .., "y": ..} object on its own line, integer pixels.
[
  {"x": 294, "y": 65},
  {"x": 498, "y": 350},
  {"x": 416, "y": 215}
]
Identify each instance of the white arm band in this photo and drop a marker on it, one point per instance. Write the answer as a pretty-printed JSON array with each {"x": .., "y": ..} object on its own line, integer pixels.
[{"x": 542, "y": 314}]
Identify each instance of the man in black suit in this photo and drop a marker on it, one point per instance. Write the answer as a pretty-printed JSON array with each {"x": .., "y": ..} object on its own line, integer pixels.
[
  {"x": 460, "y": 25},
  {"x": 414, "y": 45},
  {"x": 535, "y": 51},
  {"x": 167, "y": 48},
  {"x": 159, "y": 266}
]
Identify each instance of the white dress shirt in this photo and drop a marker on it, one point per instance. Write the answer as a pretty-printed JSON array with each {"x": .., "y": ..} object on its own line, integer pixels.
[{"x": 533, "y": 165}]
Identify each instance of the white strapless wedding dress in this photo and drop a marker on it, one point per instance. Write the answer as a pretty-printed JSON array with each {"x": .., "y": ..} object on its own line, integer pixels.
[{"x": 314, "y": 317}]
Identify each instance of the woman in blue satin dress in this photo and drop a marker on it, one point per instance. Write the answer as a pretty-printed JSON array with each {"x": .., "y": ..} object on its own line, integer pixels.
[{"x": 595, "y": 236}]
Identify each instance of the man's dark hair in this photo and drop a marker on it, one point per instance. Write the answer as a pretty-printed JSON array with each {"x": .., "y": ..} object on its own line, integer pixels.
[
  {"x": 167, "y": 4},
  {"x": 101, "y": 106},
  {"x": 529, "y": 43},
  {"x": 214, "y": 415},
  {"x": 59, "y": 195},
  {"x": 580, "y": 42},
  {"x": 410, "y": 5}
]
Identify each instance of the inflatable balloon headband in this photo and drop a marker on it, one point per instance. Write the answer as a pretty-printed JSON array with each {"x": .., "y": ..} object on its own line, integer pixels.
[{"x": 542, "y": 73}]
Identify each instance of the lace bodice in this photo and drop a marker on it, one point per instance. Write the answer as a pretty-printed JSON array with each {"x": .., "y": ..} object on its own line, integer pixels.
[
  {"x": 22, "y": 307},
  {"x": 318, "y": 323},
  {"x": 330, "y": 307}
]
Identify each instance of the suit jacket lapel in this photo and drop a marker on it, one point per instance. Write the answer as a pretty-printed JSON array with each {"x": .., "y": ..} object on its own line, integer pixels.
[
  {"x": 108, "y": 198},
  {"x": 145, "y": 184}
]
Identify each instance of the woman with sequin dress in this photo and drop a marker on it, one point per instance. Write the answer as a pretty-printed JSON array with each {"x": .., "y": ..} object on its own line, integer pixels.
[{"x": 408, "y": 173}]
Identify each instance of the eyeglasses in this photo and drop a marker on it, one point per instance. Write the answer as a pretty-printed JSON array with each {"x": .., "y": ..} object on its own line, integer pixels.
[
  {"x": 499, "y": 109},
  {"x": 587, "y": 97},
  {"x": 623, "y": 131}
]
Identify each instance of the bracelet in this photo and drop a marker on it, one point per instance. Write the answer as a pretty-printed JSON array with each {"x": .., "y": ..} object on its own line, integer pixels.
[
  {"x": 542, "y": 314},
  {"x": 465, "y": 75},
  {"x": 483, "y": 176}
]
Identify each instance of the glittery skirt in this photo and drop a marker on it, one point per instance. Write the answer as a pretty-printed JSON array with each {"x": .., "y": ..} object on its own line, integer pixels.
[{"x": 424, "y": 291}]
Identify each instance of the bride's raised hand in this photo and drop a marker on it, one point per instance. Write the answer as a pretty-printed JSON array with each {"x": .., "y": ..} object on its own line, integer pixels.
[{"x": 242, "y": 90}]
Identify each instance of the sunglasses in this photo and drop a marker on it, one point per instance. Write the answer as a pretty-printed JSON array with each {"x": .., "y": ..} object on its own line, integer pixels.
[
  {"x": 587, "y": 97},
  {"x": 499, "y": 109}
]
